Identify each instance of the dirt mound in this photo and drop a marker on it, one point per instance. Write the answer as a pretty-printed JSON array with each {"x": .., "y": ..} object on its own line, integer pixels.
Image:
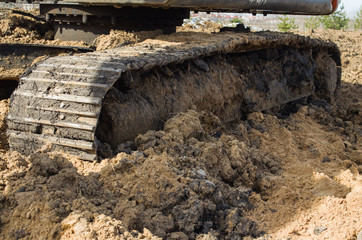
[
  {"x": 118, "y": 38},
  {"x": 202, "y": 26},
  {"x": 17, "y": 28},
  {"x": 295, "y": 173},
  {"x": 318, "y": 172},
  {"x": 197, "y": 179},
  {"x": 188, "y": 180}
]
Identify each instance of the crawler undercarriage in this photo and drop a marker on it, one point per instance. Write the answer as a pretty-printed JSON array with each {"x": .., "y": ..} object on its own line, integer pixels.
[{"x": 85, "y": 103}]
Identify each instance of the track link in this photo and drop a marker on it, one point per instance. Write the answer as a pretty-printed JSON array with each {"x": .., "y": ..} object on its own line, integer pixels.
[
  {"x": 14, "y": 53},
  {"x": 60, "y": 100}
]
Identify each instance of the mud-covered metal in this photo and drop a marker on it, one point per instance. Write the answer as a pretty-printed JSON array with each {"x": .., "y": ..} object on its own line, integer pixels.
[
  {"x": 61, "y": 100},
  {"x": 265, "y": 6},
  {"x": 15, "y": 53}
]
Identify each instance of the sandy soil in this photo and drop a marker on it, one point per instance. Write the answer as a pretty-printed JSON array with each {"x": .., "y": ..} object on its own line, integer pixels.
[
  {"x": 16, "y": 28},
  {"x": 270, "y": 176},
  {"x": 206, "y": 27}
]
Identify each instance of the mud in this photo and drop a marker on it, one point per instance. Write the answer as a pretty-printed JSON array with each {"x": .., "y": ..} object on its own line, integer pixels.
[
  {"x": 294, "y": 173},
  {"x": 223, "y": 85}
]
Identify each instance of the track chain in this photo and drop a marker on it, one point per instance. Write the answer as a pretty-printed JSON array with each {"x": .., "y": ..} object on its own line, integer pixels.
[{"x": 59, "y": 101}]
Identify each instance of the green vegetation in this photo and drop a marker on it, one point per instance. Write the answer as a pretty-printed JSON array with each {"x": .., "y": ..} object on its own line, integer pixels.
[
  {"x": 312, "y": 23},
  {"x": 358, "y": 20},
  {"x": 286, "y": 24},
  {"x": 236, "y": 20},
  {"x": 337, "y": 20}
]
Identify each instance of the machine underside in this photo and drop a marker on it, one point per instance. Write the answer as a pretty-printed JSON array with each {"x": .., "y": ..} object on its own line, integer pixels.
[
  {"x": 75, "y": 22},
  {"x": 86, "y": 19}
]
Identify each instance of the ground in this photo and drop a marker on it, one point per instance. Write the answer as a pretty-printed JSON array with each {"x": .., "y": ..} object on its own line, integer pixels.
[{"x": 294, "y": 175}]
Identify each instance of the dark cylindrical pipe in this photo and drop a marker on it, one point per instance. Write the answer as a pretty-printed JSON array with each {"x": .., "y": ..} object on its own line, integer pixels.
[{"x": 307, "y": 7}]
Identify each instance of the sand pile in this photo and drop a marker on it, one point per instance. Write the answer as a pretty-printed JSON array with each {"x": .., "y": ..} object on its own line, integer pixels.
[
  {"x": 198, "y": 179},
  {"x": 16, "y": 28},
  {"x": 288, "y": 174}
]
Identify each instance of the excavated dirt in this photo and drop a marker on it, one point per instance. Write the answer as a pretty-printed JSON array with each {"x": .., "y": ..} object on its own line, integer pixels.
[
  {"x": 19, "y": 29},
  {"x": 16, "y": 28},
  {"x": 206, "y": 27},
  {"x": 118, "y": 38},
  {"x": 291, "y": 174}
]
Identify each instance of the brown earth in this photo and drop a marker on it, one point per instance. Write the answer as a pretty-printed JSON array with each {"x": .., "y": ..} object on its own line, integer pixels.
[
  {"x": 207, "y": 27},
  {"x": 16, "y": 28},
  {"x": 278, "y": 175}
]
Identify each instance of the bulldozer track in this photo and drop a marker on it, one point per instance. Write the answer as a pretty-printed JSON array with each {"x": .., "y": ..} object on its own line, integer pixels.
[{"x": 60, "y": 100}]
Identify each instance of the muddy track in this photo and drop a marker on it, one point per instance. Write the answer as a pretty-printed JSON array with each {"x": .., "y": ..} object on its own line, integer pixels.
[
  {"x": 79, "y": 103},
  {"x": 20, "y": 56}
]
